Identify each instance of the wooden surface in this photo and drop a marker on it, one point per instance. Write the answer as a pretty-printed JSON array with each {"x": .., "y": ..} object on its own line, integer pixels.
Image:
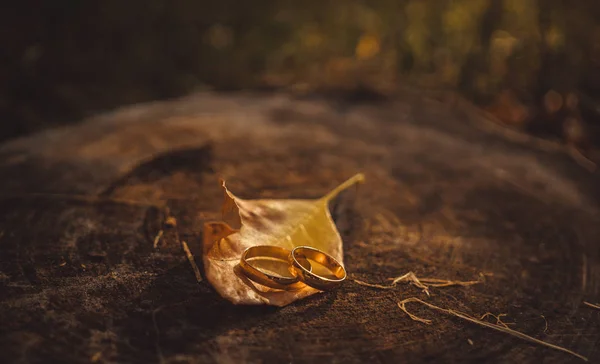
[{"x": 80, "y": 280}]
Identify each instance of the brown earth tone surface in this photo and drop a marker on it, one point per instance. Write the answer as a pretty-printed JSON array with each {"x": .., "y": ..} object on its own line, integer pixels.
[{"x": 80, "y": 206}]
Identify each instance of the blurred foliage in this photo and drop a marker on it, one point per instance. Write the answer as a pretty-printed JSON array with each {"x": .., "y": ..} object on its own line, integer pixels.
[{"x": 520, "y": 59}]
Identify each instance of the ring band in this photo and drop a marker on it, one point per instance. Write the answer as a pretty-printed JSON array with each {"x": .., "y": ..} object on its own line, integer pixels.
[
  {"x": 298, "y": 260},
  {"x": 267, "y": 279}
]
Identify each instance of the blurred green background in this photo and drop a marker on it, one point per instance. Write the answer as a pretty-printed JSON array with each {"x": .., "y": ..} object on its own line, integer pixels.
[{"x": 533, "y": 64}]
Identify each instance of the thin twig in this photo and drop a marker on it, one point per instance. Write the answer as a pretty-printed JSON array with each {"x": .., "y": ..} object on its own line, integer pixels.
[
  {"x": 546, "y": 321},
  {"x": 464, "y": 316},
  {"x": 596, "y": 306},
  {"x": 171, "y": 222},
  {"x": 498, "y": 319},
  {"x": 423, "y": 283},
  {"x": 158, "y": 237},
  {"x": 402, "y": 306},
  {"x": 412, "y": 278},
  {"x": 434, "y": 282},
  {"x": 190, "y": 257},
  {"x": 373, "y": 285}
]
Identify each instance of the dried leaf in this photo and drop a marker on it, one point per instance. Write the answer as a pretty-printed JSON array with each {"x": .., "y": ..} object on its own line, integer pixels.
[{"x": 284, "y": 223}]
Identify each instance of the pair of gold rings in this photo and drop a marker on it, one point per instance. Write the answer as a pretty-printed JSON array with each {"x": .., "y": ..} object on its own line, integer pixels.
[{"x": 330, "y": 272}]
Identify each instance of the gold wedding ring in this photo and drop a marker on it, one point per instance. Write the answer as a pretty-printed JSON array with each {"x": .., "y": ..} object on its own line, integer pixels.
[
  {"x": 271, "y": 255},
  {"x": 298, "y": 259}
]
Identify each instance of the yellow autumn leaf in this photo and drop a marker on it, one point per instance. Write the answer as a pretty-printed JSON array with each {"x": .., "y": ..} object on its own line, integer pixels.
[{"x": 283, "y": 223}]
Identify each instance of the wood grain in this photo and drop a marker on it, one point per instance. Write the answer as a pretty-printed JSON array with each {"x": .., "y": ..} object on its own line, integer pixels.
[{"x": 80, "y": 207}]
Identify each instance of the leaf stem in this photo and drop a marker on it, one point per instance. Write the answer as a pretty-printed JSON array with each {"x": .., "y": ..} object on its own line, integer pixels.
[{"x": 357, "y": 178}]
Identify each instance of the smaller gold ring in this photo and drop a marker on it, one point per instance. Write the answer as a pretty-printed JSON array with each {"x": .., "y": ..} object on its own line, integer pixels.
[
  {"x": 266, "y": 279},
  {"x": 298, "y": 260}
]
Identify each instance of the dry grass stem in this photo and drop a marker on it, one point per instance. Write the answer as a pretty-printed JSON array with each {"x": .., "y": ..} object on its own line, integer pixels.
[
  {"x": 171, "y": 222},
  {"x": 190, "y": 257},
  {"x": 157, "y": 238},
  {"x": 546, "y": 321},
  {"x": 497, "y": 327},
  {"x": 498, "y": 319},
  {"x": 372, "y": 285},
  {"x": 402, "y": 306},
  {"x": 596, "y": 306},
  {"x": 422, "y": 283}
]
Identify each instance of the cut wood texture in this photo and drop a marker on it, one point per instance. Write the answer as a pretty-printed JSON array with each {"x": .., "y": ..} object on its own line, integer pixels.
[{"x": 81, "y": 208}]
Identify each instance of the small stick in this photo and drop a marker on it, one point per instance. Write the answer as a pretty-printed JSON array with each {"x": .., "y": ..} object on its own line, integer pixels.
[
  {"x": 190, "y": 257},
  {"x": 171, "y": 222},
  {"x": 464, "y": 316},
  {"x": 158, "y": 237},
  {"x": 596, "y": 306}
]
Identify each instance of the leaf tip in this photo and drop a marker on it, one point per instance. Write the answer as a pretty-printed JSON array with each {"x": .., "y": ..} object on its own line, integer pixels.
[{"x": 228, "y": 195}]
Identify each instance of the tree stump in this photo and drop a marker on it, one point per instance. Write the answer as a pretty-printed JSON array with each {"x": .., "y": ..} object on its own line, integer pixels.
[{"x": 80, "y": 207}]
